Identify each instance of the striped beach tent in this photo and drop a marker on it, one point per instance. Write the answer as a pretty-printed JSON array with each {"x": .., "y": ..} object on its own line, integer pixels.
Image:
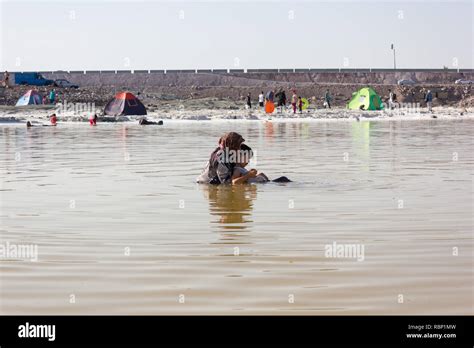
[{"x": 30, "y": 98}]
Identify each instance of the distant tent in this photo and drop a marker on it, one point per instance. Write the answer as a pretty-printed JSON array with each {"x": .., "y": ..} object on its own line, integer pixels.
[
  {"x": 366, "y": 99},
  {"x": 125, "y": 103},
  {"x": 30, "y": 98}
]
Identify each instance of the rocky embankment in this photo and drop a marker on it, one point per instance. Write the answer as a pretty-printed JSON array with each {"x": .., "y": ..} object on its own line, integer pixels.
[{"x": 232, "y": 97}]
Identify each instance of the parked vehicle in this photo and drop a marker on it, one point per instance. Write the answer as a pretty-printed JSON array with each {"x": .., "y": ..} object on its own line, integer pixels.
[
  {"x": 65, "y": 84},
  {"x": 463, "y": 82},
  {"x": 32, "y": 79},
  {"x": 406, "y": 82}
]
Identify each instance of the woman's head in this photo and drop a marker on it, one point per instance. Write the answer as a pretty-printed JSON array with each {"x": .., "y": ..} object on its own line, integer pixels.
[{"x": 231, "y": 141}]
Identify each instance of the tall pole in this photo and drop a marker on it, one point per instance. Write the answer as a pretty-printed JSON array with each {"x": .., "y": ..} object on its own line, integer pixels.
[{"x": 394, "y": 60}]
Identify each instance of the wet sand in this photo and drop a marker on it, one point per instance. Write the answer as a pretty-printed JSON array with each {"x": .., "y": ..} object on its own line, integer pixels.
[{"x": 122, "y": 228}]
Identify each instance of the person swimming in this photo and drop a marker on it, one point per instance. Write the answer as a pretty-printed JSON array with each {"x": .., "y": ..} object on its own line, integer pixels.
[
  {"x": 28, "y": 124},
  {"x": 53, "y": 119},
  {"x": 144, "y": 122}
]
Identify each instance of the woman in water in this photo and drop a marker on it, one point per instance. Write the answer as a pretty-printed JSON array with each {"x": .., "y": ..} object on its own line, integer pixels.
[{"x": 222, "y": 162}]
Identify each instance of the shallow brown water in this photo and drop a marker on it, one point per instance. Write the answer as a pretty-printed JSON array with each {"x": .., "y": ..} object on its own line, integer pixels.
[{"x": 122, "y": 228}]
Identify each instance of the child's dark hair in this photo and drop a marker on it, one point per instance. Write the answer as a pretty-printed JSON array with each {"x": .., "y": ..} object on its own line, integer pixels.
[{"x": 246, "y": 151}]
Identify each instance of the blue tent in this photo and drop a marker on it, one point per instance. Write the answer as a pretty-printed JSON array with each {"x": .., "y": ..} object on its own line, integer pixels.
[{"x": 30, "y": 98}]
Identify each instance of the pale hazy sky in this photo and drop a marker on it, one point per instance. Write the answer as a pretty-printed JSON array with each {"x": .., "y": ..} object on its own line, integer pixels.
[{"x": 94, "y": 35}]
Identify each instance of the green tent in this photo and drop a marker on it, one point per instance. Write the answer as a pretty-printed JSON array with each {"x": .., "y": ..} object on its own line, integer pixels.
[{"x": 367, "y": 98}]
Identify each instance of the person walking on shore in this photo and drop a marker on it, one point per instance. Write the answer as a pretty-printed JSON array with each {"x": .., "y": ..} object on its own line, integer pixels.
[
  {"x": 281, "y": 99},
  {"x": 294, "y": 101},
  {"x": 327, "y": 98},
  {"x": 249, "y": 102},
  {"x": 429, "y": 100},
  {"x": 261, "y": 99}
]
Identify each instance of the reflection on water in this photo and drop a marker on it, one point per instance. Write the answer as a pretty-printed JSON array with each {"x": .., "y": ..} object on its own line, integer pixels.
[
  {"x": 360, "y": 133},
  {"x": 231, "y": 204}
]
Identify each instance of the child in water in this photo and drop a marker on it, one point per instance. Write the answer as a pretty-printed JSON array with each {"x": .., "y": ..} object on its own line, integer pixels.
[
  {"x": 244, "y": 176},
  {"x": 93, "y": 120}
]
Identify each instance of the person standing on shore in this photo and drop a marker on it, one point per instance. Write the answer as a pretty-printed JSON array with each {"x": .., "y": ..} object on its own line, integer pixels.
[
  {"x": 300, "y": 105},
  {"x": 294, "y": 100},
  {"x": 6, "y": 79},
  {"x": 327, "y": 98},
  {"x": 269, "y": 97},
  {"x": 281, "y": 99},
  {"x": 261, "y": 99},
  {"x": 429, "y": 100},
  {"x": 249, "y": 101},
  {"x": 391, "y": 99},
  {"x": 52, "y": 96}
]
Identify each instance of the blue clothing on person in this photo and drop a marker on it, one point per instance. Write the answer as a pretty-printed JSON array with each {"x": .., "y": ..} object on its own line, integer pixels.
[{"x": 429, "y": 97}]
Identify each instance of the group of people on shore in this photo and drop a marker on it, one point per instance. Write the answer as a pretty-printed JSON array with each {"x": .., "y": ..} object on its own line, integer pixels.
[
  {"x": 280, "y": 98},
  {"x": 297, "y": 101},
  {"x": 50, "y": 98},
  {"x": 428, "y": 99},
  {"x": 227, "y": 163}
]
